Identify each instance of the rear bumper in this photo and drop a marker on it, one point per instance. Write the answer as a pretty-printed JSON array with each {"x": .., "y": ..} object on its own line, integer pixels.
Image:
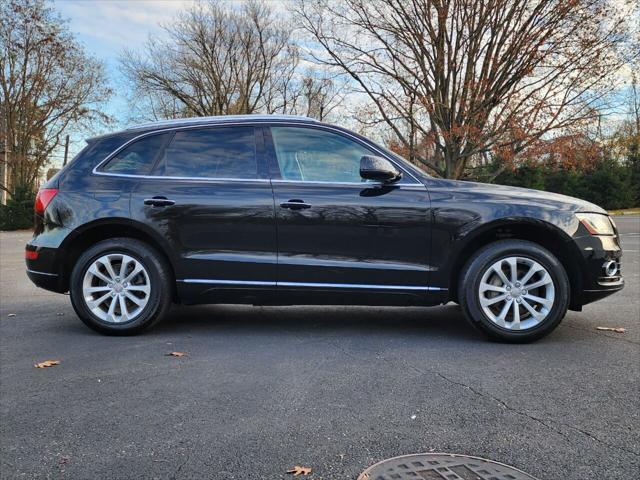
[
  {"x": 46, "y": 280},
  {"x": 45, "y": 271}
]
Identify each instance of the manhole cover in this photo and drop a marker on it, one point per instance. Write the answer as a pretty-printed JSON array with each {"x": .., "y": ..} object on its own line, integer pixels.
[{"x": 441, "y": 466}]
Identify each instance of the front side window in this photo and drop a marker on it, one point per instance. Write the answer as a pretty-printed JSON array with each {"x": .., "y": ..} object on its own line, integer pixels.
[
  {"x": 313, "y": 155},
  {"x": 138, "y": 158},
  {"x": 227, "y": 152}
]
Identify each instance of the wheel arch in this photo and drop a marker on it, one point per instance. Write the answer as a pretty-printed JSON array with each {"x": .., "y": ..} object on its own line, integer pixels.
[
  {"x": 540, "y": 232},
  {"x": 99, "y": 230}
]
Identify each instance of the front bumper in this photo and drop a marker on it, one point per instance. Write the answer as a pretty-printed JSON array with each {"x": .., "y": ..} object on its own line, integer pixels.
[{"x": 597, "y": 251}]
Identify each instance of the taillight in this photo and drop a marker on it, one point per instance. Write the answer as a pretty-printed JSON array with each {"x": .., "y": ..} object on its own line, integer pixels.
[
  {"x": 31, "y": 254},
  {"x": 43, "y": 199}
]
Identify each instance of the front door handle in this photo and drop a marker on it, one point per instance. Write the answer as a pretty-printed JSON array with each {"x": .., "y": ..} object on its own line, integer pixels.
[
  {"x": 295, "y": 204},
  {"x": 158, "y": 201}
]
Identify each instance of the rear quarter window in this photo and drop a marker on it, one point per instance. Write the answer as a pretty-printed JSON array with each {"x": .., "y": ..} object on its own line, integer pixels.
[{"x": 139, "y": 157}]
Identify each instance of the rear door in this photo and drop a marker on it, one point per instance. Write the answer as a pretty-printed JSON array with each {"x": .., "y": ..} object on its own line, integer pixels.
[{"x": 209, "y": 197}]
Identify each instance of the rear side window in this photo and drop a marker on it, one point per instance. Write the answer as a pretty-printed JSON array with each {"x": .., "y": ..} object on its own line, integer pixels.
[
  {"x": 211, "y": 153},
  {"x": 139, "y": 157}
]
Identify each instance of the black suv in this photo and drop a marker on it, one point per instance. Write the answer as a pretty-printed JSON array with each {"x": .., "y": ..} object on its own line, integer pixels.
[{"x": 279, "y": 210}]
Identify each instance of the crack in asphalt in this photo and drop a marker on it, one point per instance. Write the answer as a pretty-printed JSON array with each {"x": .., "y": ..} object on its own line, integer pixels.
[
  {"x": 187, "y": 456},
  {"x": 506, "y": 406},
  {"x": 502, "y": 403}
]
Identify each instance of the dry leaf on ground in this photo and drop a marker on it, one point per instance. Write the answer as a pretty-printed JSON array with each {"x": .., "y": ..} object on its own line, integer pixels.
[
  {"x": 176, "y": 354},
  {"x": 612, "y": 329},
  {"x": 298, "y": 470},
  {"x": 47, "y": 363}
]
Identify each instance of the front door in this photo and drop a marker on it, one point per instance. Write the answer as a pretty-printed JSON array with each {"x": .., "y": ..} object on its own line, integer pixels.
[
  {"x": 337, "y": 232},
  {"x": 209, "y": 197}
]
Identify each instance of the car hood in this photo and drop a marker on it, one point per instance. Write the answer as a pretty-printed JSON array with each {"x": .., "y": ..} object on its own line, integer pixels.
[{"x": 529, "y": 196}]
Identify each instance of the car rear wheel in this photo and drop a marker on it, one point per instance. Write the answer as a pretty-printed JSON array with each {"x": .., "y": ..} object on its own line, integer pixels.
[
  {"x": 120, "y": 286},
  {"x": 514, "y": 291}
]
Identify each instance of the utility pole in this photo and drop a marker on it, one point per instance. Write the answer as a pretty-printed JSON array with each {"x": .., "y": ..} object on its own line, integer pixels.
[
  {"x": 5, "y": 175},
  {"x": 5, "y": 167},
  {"x": 66, "y": 150}
]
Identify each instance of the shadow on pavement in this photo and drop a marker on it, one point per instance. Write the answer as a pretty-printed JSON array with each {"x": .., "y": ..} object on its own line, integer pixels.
[{"x": 209, "y": 319}]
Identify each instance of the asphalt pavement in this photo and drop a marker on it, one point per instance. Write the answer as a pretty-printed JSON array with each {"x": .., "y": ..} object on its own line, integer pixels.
[{"x": 332, "y": 388}]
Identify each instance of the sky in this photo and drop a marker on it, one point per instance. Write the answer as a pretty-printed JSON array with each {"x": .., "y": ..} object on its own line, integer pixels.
[{"x": 106, "y": 27}]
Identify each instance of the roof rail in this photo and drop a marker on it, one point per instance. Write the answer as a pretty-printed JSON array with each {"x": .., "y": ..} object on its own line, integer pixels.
[{"x": 221, "y": 119}]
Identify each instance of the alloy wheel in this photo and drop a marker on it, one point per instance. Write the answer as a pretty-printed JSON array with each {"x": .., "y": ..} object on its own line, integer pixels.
[
  {"x": 116, "y": 288},
  {"x": 516, "y": 293}
]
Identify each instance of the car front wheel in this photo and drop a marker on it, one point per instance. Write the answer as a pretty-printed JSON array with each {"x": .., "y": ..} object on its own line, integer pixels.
[
  {"x": 120, "y": 286},
  {"x": 514, "y": 291}
]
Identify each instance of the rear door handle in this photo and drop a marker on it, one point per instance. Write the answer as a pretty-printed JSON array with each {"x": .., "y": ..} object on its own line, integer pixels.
[
  {"x": 158, "y": 201},
  {"x": 295, "y": 204}
]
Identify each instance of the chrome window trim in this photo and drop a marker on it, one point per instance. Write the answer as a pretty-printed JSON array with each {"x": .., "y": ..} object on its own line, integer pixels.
[
  {"x": 312, "y": 284},
  {"x": 418, "y": 186},
  {"x": 319, "y": 126}
]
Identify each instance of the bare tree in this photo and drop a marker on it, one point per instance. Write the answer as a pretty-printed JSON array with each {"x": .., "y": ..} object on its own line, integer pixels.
[
  {"x": 216, "y": 60},
  {"x": 48, "y": 85},
  {"x": 470, "y": 76}
]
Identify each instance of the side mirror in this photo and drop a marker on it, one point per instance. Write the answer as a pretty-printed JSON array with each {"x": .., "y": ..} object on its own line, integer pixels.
[{"x": 378, "y": 168}]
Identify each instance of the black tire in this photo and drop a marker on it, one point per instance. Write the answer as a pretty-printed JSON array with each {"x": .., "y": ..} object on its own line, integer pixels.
[
  {"x": 160, "y": 285},
  {"x": 471, "y": 276}
]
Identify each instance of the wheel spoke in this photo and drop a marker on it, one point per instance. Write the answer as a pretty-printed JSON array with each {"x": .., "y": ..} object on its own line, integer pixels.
[
  {"x": 112, "y": 309},
  {"x": 515, "y": 324},
  {"x": 503, "y": 313},
  {"x": 537, "y": 315},
  {"x": 493, "y": 288},
  {"x": 123, "y": 266},
  {"x": 134, "y": 299},
  {"x": 101, "y": 288},
  {"x": 533, "y": 269},
  {"x": 136, "y": 270},
  {"x": 97, "y": 273},
  {"x": 96, "y": 303},
  {"x": 124, "y": 311},
  {"x": 106, "y": 261},
  {"x": 485, "y": 302},
  {"x": 138, "y": 288},
  {"x": 540, "y": 300},
  {"x": 545, "y": 280},
  {"x": 513, "y": 266},
  {"x": 498, "y": 270}
]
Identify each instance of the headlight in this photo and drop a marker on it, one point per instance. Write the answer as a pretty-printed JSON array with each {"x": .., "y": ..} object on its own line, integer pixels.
[{"x": 596, "y": 223}]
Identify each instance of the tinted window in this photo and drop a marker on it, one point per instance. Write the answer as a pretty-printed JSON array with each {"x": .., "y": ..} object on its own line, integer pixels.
[
  {"x": 211, "y": 153},
  {"x": 315, "y": 155},
  {"x": 138, "y": 158}
]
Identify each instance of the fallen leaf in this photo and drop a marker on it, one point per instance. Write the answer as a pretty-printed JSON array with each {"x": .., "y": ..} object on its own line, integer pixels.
[
  {"x": 47, "y": 363},
  {"x": 11, "y": 315},
  {"x": 63, "y": 459},
  {"x": 298, "y": 470},
  {"x": 612, "y": 329},
  {"x": 176, "y": 354}
]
